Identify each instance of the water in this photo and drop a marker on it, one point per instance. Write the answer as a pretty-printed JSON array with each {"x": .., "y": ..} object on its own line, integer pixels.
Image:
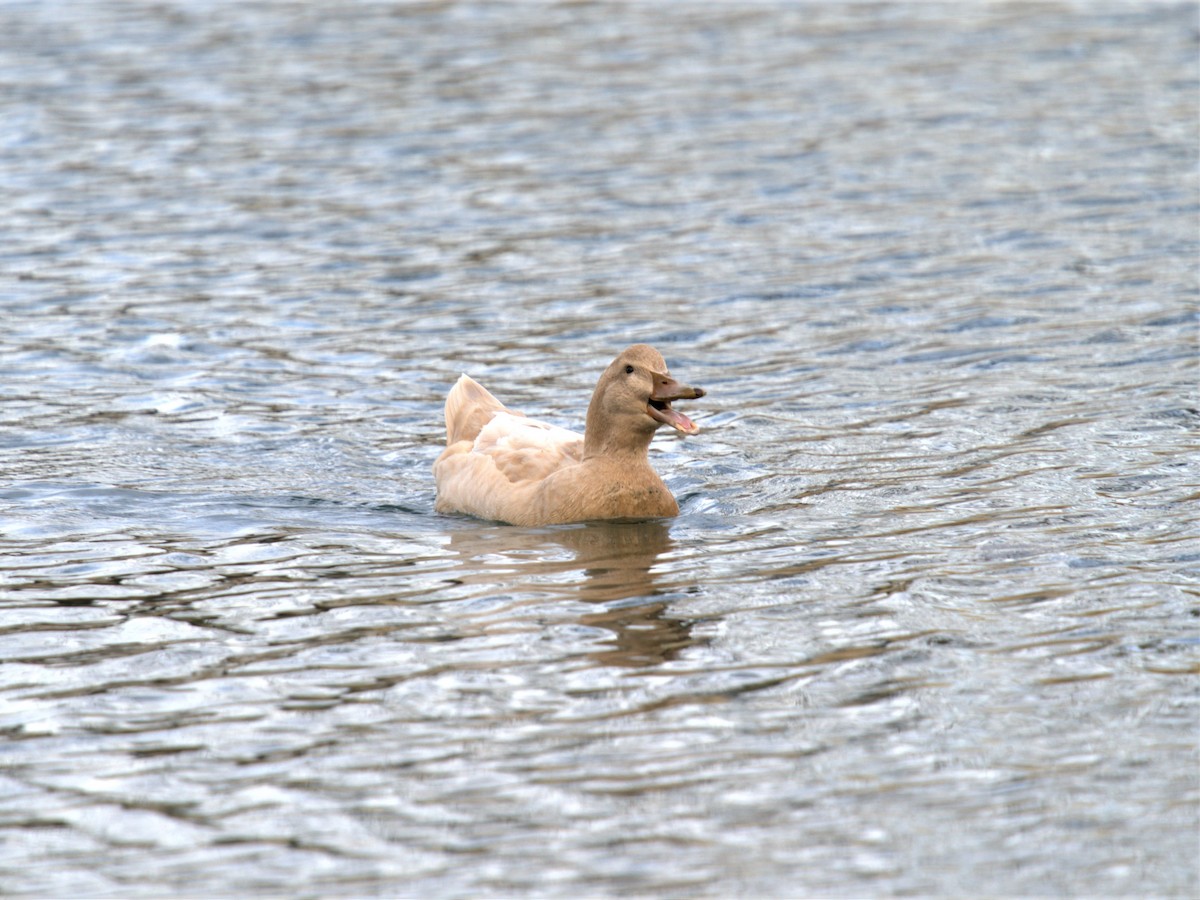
[{"x": 927, "y": 623}]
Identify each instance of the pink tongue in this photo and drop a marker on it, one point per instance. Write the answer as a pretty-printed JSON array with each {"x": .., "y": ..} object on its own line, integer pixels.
[{"x": 679, "y": 420}]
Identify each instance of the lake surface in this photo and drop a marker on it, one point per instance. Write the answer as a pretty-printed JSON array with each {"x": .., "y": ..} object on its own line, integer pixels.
[{"x": 928, "y": 621}]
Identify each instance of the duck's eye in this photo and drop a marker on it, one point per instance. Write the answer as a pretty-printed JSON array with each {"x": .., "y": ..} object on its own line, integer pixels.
[{"x": 629, "y": 370}]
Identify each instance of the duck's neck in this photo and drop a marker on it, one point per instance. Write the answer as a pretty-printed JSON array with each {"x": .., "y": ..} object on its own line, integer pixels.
[{"x": 606, "y": 439}]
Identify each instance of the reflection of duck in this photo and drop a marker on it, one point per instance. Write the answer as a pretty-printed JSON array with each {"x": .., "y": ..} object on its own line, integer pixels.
[
  {"x": 616, "y": 560},
  {"x": 502, "y": 466}
]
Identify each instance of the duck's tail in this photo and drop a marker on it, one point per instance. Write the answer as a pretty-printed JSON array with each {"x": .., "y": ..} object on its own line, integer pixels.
[{"x": 469, "y": 407}]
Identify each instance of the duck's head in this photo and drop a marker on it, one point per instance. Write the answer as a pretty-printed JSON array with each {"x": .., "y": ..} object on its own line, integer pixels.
[{"x": 633, "y": 399}]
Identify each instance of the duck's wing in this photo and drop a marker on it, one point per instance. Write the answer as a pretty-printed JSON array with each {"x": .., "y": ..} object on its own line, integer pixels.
[{"x": 524, "y": 450}]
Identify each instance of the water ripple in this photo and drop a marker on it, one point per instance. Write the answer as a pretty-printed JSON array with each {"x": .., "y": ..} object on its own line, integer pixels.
[{"x": 927, "y": 622}]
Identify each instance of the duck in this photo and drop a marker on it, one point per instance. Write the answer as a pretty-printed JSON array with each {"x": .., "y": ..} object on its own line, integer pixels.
[{"x": 502, "y": 466}]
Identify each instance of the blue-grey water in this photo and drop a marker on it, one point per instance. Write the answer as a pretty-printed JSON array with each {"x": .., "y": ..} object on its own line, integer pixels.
[{"x": 928, "y": 622}]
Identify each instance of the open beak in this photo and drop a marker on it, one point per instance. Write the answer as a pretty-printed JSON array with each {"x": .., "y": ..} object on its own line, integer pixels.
[{"x": 665, "y": 390}]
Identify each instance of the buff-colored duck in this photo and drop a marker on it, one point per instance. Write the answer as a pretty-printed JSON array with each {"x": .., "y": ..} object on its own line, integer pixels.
[{"x": 502, "y": 466}]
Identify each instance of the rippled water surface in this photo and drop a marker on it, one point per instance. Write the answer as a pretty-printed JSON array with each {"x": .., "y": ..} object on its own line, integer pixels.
[{"x": 928, "y": 621}]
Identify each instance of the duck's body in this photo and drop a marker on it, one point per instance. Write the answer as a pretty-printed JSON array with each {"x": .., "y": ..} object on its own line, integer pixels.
[{"x": 500, "y": 465}]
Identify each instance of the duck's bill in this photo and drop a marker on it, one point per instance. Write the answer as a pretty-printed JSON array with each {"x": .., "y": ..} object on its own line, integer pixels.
[{"x": 667, "y": 389}]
